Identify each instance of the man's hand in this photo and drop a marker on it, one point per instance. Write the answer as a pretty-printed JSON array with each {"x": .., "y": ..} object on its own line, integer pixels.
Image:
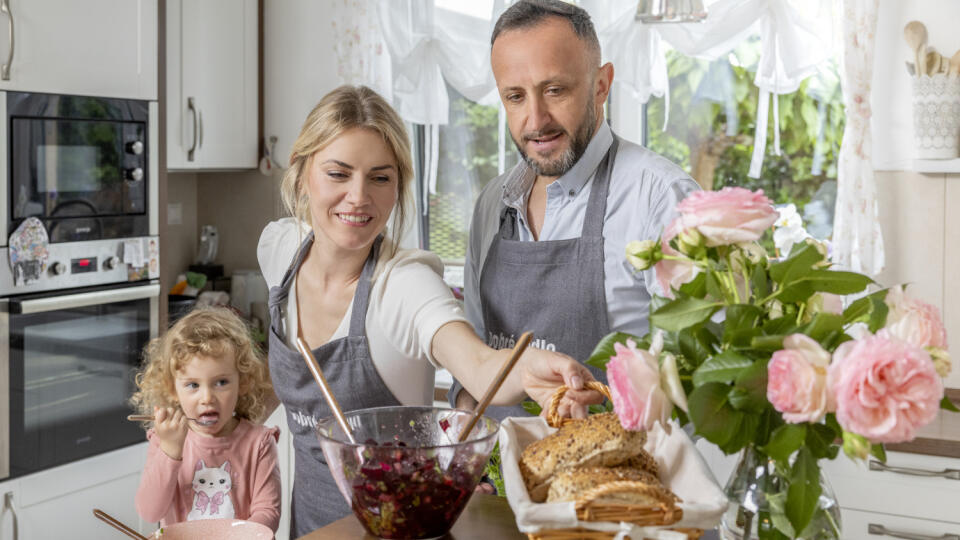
[
  {"x": 171, "y": 427},
  {"x": 543, "y": 371}
]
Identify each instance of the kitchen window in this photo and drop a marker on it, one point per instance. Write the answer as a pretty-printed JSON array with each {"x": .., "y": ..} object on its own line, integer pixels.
[
  {"x": 473, "y": 148},
  {"x": 712, "y": 119}
]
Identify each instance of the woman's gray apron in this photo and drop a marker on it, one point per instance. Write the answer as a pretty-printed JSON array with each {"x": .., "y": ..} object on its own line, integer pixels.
[
  {"x": 347, "y": 366},
  {"x": 553, "y": 288}
]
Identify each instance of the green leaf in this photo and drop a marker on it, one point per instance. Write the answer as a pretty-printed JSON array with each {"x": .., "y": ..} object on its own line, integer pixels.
[
  {"x": 712, "y": 415},
  {"x": 838, "y": 282},
  {"x": 604, "y": 350},
  {"x": 532, "y": 407},
  {"x": 877, "y": 451},
  {"x": 740, "y": 324},
  {"x": 820, "y": 439},
  {"x": 945, "y": 403},
  {"x": 878, "y": 314},
  {"x": 781, "y": 326},
  {"x": 785, "y": 440},
  {"x": 804, "y": 490},
  {"x": 796, "y": 265},
  {"x": 822, "y": 325},
  {"x": 697, "y": 287},
  {"x": 723, "y": 367},
  {"x": 596, "y": 409},
  {"x": 778, "y": 516},
  {"x": 750, "y": 388},
  {"x": 683, "y": 313},
  {"x": 767, "y": 343},
  {"x": 691, "y": 348},
  {"x": 761, "y": 283},
  {"x": 862, "y": 308},
  {"x": 744, "y": 433},
  {"x": 714, "y": 289}
]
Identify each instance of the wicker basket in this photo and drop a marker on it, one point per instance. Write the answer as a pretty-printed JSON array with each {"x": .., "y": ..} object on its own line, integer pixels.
[{"x": 589, "y": 509}]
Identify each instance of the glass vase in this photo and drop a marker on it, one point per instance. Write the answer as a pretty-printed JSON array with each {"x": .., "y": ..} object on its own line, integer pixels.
[{"x": 757, "y": 493}]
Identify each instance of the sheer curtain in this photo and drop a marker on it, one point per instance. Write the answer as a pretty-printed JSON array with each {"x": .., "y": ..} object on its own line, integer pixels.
[{"x": 857, "y": 238}]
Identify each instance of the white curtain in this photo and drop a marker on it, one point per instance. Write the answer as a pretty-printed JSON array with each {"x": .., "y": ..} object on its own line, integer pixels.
[
  {"x": 430, "y": 45},
  {"x": 857, "y": 238}
]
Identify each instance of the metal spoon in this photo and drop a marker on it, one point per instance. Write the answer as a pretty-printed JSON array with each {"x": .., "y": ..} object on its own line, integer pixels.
[
  {"x": 148, "y": 418},
  {"x": 916, "y": 35}
]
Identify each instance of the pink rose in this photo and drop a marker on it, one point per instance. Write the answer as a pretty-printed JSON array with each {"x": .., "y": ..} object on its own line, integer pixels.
[
  {"x": 914, "y": 321},
  {"x": 797, "y": 380},
  {"x": 729, "y": 216},
  {"x": 671, "y": 274},
  {"x": 634, "y": 380},
  {"x": 885, "y": 388}
]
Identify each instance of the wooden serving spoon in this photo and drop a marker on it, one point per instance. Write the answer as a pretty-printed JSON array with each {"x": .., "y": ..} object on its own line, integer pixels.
[
  {"x": 954, "y": 68},
  {"x": 496, "y": 384},
  {"x": 117, "y": 524},
  {"x": 932, "y": 61},
  {"x": 916, "y": 35}
]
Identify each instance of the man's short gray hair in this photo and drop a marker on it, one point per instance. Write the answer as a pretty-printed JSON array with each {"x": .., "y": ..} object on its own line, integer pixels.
[{"x": 528, "y": 13}]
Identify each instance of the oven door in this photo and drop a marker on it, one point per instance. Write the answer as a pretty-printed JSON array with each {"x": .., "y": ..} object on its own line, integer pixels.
[{"x": 71, "y": 358}]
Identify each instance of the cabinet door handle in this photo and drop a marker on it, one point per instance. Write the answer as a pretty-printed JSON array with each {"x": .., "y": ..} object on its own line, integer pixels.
[
  {"x": 8, "y": 503},
  {"x": 200, "y": 132},
  {"x": 5, "y": 68},
  {"x": 192, "y": 107},
  {"x": 953, "y": 474},
  {"x": 880, "y": 530}
]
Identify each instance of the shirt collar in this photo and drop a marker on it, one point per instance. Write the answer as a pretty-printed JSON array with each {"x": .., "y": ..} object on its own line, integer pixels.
[{"x": 517, "y": 184}]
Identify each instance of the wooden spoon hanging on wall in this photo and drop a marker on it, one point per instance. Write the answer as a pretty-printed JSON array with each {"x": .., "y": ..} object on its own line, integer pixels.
[{"x": 954, "y": 68}]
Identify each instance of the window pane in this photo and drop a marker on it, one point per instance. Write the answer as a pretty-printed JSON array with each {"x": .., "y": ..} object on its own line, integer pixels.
[
  {"x": 711, "y": 124},
  {"x": 469, "y": 158}
]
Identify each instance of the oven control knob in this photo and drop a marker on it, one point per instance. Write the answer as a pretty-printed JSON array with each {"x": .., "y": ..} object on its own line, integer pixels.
[
  {"x": 135, "y": 147},
  {"x": 111, "y": 262},
  {"x": 57, "y": 268},
  {"x": 135, "y": 174}
]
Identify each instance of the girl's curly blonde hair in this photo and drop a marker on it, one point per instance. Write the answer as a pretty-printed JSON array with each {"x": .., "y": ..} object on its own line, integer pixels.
[{"x": 205, "y": 332}]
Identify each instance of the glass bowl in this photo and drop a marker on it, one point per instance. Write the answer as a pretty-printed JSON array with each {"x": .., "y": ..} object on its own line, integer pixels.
[{"x": 407, "y": 477}]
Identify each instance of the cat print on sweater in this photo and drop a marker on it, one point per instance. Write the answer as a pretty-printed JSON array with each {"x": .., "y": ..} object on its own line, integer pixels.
[{"x": 211, "y": 492}]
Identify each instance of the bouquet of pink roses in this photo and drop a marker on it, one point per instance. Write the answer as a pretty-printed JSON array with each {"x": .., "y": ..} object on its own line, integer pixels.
[{"x": 761, "y": 355}]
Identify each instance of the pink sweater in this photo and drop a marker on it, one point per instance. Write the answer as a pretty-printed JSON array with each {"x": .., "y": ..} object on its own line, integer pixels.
[{"x": 236, "y": 476}]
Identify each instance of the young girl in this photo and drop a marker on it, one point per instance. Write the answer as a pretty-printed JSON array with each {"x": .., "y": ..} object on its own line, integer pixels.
[{"x": 203, "y": 382}]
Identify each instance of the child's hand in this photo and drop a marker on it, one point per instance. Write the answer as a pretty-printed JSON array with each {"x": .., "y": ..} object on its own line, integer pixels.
[{"x": 171, "y": 427}]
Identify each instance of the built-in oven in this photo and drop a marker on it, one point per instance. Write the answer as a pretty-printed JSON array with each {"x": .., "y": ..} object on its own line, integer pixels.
[
  {"x": 70, "y": 366},
  {"x": 73, "y": 328},
  {"x": 79, "y": 164}
]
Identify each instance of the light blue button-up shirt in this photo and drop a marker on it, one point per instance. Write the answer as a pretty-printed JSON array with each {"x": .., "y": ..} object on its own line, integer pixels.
[{"x": 644, "y": 191}]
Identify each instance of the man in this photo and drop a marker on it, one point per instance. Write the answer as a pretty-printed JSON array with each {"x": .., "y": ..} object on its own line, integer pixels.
[{"x": 547, "y": 241}]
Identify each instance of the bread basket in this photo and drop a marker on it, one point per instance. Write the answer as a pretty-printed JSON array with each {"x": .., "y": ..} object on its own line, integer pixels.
[{"x": 589, "y": 506}]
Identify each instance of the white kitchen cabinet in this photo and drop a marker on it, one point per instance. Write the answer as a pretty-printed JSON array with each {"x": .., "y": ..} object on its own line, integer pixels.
[
  {"x": 59, "y": 502},
  {"x": 9, "y": 509},
  {"x": 212, "y": 97},
  {"x": 102, "y": 48}
]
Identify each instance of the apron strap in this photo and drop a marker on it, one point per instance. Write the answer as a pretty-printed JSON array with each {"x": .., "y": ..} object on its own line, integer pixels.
[
  {"x": 279, "y": 293},
  {"x": 361, "y": 298},
  {"x": 597, "y": 203}
]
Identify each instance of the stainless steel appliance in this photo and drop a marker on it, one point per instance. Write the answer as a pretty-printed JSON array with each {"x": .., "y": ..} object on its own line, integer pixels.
[{"x": 71, "y": 339}]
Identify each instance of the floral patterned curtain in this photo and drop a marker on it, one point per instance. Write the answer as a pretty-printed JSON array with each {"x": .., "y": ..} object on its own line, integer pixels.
[{"x": 857, "y": 238}]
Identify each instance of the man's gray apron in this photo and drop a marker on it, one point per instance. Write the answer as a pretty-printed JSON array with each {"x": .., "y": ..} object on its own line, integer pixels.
[
  {"x": 553, "y": 288},
  {"x": 347, "y": 366}
]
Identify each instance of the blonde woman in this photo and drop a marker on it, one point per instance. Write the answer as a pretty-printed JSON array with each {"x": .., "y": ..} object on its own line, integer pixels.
[{"x": 379, "y": 319}]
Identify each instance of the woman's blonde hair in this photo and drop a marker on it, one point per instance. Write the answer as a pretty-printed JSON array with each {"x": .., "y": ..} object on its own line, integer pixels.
[
  {"x": 208, "y": 333},
  {"x": 345, "y": 108}
]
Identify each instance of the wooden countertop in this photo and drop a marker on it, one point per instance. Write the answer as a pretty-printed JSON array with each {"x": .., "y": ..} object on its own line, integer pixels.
[{"x": 485, "y": 517}]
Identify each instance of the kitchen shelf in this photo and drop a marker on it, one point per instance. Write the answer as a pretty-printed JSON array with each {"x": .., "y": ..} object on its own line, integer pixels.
[{"x": 949, "y": 166}]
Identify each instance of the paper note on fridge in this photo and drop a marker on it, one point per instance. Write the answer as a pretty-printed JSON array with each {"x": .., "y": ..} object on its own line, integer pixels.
[{"x": 133, "y": 252}]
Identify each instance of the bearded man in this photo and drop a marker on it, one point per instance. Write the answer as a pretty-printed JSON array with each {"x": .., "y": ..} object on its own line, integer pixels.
[{"x": 547, "y": 240}]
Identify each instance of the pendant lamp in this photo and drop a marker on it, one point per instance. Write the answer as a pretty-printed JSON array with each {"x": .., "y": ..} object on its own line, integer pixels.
[{"x": 670, "y": 11}]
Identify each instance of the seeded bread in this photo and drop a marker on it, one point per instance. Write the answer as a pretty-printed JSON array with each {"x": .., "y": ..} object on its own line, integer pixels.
[
  {"x": 599, "y": 441},
  {"x": 645, "y": 489}
]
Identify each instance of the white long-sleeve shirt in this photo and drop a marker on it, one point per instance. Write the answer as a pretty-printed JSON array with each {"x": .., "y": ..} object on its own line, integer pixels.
[{"x": 409, "y": 302}]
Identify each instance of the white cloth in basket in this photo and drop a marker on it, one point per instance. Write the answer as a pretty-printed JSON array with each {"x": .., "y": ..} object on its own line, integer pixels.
[{"x": 682, "y": 470}]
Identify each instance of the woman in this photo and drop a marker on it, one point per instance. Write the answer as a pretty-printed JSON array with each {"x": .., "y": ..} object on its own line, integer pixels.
[{"x": 379, "y": 319}]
